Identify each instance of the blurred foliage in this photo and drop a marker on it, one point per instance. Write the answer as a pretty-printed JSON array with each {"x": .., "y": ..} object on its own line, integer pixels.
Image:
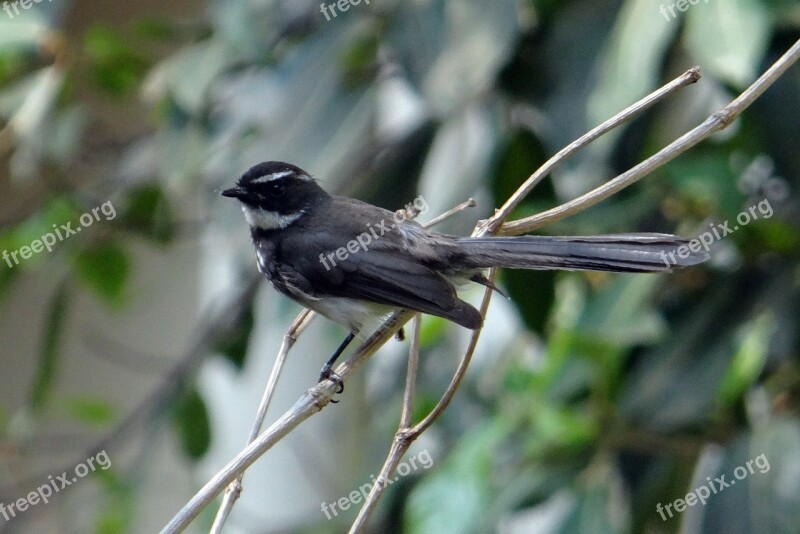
[
  {"x": 48, "y": 359},
  {"x": 192, "y": 424},
  {"x": 644, "y": 387}
]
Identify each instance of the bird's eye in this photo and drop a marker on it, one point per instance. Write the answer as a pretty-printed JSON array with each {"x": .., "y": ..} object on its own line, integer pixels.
[{"x": 276, "y": 190}]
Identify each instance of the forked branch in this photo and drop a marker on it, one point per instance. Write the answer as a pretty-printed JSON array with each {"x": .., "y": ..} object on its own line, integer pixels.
[{"x": 317, "y": 397}]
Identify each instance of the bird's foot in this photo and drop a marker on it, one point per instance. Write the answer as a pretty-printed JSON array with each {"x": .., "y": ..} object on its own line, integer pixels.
[{"x": 328, "y": 374}]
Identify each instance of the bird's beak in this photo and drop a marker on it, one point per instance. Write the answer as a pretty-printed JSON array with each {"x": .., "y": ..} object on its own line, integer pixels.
[{"x": 234, "y": 192}]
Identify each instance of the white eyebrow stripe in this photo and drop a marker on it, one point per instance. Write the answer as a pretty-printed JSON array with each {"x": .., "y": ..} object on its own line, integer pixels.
[
  {"x": 277, "y": 176},
  {"x": 270, "y": 177}
]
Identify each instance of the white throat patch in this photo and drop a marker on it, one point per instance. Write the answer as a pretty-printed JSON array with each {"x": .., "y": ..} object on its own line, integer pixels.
[{"x": 268, "y": 220}]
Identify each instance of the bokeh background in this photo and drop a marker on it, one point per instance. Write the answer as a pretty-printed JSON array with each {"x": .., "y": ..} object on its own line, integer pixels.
[{"x": 592, "y": 399}]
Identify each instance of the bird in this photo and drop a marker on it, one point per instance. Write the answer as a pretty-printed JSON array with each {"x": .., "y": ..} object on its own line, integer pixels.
[{"x": 355, "y": 263}]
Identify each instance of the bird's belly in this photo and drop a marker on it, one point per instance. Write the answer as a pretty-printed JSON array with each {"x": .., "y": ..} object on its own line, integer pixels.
[{"x": 357, "y": 315}]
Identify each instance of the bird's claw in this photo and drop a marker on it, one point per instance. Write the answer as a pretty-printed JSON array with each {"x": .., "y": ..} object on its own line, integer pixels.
[{"x": 328, "y": 374}]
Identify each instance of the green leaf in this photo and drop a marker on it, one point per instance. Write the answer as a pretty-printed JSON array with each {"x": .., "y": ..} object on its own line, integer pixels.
[
  {"x": 707, "y": 179},
  {"x": 156, "y": 29},
  {"x": 188, "y": 74},
  {"x": 193, "y": 425},
  {"x": 454, "y": 497},
  {"x": 601, "y": 505},
  {"x": 45, "y": 222},
  {"x": 729, "y": 38},
  {"x": 149, "y": 213},
  {"x": 622, "y": 313},
  {"x": 522, "y": 286},
  {"x": 113, "y": 521},
  {"x": 359, "y": 60},
  {"x": 90, "y": 410},
  {"x": 233, "y": 345},
  {"x": 118, "y": 512},
  {"x": 48, "y": 356},
  {"x": 762, "y": 471},
  {"x": 633, "y": 60},
  {"x": 558, "y": 426},
  {"x": 748, "y": 361},
  {"x": 457, "y": 49},
  {"x": 104, "y": 268},
  {"x": 774, "y": 496},
  {"x": 7, "y": 275},
  {"x": 433, "y": 328},
  {"x": 424, "y": 403},
  {"x": 116, "y": 66},
  {"x": 11, "y": 66}
]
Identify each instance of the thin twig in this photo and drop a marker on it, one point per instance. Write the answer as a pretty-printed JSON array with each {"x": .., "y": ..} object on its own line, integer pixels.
[
  {"x": 492, "y": 225},
  {"x": 469, "y": 203},
  {"x": 316, "y": 398},
  {"x": 411, "y": 375},
  {"x": 455, "y": 382},
  {"x": 307, "y": 405},
  {"x": 713, "y": 124},
  {"x": 234, "y": 489},
  {"x": 406, "y": 435},
  {"x": 399, "y": 446}
]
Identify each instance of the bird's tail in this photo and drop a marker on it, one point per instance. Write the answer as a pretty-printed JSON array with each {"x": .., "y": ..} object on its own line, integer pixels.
[{"x": 615, "y": 252}]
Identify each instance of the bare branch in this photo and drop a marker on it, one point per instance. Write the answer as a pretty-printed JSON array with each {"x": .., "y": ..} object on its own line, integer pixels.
[
  {"x": 307, "y": 405},
  {"x": 491, "y": 225},
  {"x": 469, "y": 203},
  {"x": 716, "y": 122},
  {"x": 317, "y": 397},
  {"x": 455, "y": 382},
  {"x": 406, "y": 435},
  {"x": 399, "y": 445},
  {"x": 233, "y": 491},
  {"x": 411, "y": 375}
]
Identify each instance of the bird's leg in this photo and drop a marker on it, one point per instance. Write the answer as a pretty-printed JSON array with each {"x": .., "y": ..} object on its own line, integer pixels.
[{"x": 327, "y": 370}]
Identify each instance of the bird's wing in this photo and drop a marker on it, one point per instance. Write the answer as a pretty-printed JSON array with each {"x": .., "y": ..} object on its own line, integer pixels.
[{"x": 383, "y": 273}]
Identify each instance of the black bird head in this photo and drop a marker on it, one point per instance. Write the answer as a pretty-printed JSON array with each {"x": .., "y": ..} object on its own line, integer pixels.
[{"x": 275, "y": 194}]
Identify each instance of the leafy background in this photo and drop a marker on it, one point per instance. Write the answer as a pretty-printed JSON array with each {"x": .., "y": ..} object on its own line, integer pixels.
[{"x": 593, "y": 397}]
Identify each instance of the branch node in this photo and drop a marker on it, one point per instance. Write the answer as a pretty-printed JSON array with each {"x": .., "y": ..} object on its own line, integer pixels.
[
  {"x": 724, "y": 117},
  {"x": 235, "y": 489},
  {"x": 404, "y": 437},
  {"x": 320, "y": 396}
]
